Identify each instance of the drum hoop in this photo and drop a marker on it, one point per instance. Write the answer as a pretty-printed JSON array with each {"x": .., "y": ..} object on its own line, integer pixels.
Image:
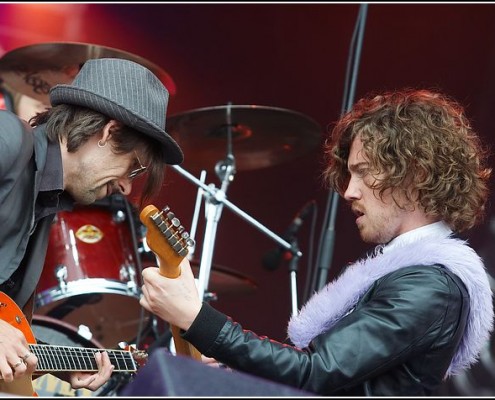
[
  {"x": 86, "y": 286},
  {"x": 64, "y": 328}
]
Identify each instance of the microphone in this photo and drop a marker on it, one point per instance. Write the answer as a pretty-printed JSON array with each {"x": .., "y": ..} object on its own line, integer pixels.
[{"x": 271, "y": 260}]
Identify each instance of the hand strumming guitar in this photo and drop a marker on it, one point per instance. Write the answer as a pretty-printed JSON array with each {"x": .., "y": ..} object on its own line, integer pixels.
[
  {"x": 16, "y": 361},
  {"x": 21, "y": 357}
]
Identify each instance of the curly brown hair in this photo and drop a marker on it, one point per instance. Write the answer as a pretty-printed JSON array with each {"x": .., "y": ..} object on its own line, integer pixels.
[{"x": 420, "y": 140}]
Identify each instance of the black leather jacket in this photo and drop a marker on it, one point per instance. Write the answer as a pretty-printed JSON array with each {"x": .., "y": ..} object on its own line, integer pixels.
[{"x": 398, "y": 341}]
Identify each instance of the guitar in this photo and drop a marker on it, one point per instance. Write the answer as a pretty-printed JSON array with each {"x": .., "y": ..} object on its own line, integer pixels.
[
  {"x": 58, "y": 358},
  {"x": 169, "y": 241}
]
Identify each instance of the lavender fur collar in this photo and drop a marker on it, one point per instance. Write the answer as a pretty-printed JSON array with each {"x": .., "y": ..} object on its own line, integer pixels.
[{"x": 333, "y": 301}]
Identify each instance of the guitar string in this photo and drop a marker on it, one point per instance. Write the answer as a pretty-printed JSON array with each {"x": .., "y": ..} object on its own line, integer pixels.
[{"x": 74, "y": 358}]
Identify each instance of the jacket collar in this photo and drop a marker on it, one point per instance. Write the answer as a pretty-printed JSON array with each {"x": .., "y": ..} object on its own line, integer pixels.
[{"x": 338, "y": 297}]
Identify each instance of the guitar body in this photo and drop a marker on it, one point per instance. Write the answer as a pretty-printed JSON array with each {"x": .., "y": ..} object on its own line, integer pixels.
[
  {"x": 168, "y": 240},
  {"x": 11, "y": 313}
]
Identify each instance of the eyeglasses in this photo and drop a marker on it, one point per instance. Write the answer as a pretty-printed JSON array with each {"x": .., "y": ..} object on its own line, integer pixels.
[{"x": 138, "y": 171}]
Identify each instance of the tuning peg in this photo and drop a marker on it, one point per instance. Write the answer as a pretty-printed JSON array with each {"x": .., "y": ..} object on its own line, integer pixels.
[
  {"x": 189, "y": 241},
  {"x": 173, "y": 219}
]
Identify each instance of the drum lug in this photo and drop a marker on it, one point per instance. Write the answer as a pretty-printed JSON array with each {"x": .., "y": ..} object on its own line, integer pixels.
[
  {"x": 128, "y": 274},
  {"x": 84, "y": 332},
  {"x": 119, "y": 216},
  {"x": 61, "y": 275}
]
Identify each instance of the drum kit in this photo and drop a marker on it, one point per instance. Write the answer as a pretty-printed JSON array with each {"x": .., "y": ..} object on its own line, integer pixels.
[{"x": 91, "y": 278}]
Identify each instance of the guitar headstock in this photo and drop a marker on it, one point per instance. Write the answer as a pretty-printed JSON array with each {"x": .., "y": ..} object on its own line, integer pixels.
[
  {"x": 165, "y": 235},
  {"x": 139, "y": 356}
]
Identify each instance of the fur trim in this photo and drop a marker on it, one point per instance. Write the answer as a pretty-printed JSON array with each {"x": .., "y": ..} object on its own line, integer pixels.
[{"x": 333, "y": 301}]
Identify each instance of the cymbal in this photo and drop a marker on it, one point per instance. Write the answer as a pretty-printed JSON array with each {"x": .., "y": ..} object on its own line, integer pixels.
[
  {"x": 261, "y": 136},
  {"x": 224, "y": 280},
  {"x": 33, "y": 70}
]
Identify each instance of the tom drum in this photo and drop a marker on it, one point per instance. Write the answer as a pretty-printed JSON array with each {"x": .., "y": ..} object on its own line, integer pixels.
[{"x": 90, "y": 277}]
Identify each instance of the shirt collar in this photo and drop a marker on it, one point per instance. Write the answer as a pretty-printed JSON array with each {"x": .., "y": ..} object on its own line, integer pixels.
[
  {"x": 435, "y": 230},
  {"x": 52, "y": 176},
  {"x": 51, "y": 197}
]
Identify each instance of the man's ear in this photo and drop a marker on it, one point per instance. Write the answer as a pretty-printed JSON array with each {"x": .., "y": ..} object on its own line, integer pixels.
[{"x": 108, "y": 130}]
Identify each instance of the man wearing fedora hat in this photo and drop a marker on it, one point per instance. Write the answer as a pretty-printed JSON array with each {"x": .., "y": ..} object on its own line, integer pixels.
[{"x": 102, "y": 131}]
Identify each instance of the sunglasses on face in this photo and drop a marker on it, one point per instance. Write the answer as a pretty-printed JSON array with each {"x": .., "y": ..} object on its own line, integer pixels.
[{"x": 138, "y": 171}]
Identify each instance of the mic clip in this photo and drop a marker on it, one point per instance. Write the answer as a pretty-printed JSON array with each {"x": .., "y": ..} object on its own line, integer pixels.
[{"x": 295, "y": 254}]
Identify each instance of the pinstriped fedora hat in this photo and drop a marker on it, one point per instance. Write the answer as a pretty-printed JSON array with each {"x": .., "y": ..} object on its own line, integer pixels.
[{"x": 125, "y": 91}]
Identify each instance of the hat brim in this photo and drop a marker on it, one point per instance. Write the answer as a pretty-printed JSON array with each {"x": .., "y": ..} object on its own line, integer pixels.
[{"x": 67, "y": 94}]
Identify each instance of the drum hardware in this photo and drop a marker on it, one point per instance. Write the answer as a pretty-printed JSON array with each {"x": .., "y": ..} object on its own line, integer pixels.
[
  {"x": 85, "y": 332},
  {"x": 128, "y": 274},
  {"x": 220, "y": 199},
  {"x": 61, "y": 275},
  {"x": 263, "y": 136},
  {"x": 64, "y": 308},
  {"x": 210, "y": 296},
  {"x": 34, "y": 69},
  {"x": 119, "y": 216},
  {"x": 194, "y": 223}
]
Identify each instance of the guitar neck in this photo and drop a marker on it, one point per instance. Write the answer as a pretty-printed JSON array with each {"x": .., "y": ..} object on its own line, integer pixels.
[
  {"x": 66, "y": 358},
  {"x": 182, "y": 346},
  {"x": 168, "y": 240}
]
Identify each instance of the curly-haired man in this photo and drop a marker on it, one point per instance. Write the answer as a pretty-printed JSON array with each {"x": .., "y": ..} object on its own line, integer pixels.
[{"x": 414, "y": 173}]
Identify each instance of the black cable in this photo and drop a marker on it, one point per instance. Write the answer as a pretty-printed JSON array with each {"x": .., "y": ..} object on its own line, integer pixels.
[
  {"x": 327, "y": 238},
  {"x": 137, "y": 257},
  {"x": 311, "y": 250},
  {"x": 113, "y": 384}
]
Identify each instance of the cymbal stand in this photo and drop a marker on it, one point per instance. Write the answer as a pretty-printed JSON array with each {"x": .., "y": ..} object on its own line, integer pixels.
[
  {"x": 225, "y": 171},
  {"x": 218, "y": 196},
  {"x": 194, "y": 223},
  {"x": 214, "y": 202}
]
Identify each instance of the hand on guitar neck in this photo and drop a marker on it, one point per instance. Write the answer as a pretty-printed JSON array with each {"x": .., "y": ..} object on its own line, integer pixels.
[
  {"x": 170, "y": 291},
  {"x": 174, "y": 300},
  {"x": 21, "y": 357}
]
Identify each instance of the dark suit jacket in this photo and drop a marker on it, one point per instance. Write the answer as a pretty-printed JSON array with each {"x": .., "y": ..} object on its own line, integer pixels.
[{"x": 22, "y": 241}]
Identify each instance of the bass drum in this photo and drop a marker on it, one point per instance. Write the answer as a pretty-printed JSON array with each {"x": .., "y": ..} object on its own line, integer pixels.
[{"x": 53, "y": 331}]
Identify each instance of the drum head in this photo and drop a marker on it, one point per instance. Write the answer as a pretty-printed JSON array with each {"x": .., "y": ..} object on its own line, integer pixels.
[{"x": 110, "y": 318}]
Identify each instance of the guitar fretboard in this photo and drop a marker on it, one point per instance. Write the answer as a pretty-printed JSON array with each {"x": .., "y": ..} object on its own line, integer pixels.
[{"x": 66, "y": 358}]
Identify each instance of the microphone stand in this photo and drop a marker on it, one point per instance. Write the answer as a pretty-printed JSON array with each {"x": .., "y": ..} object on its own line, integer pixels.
[
  {"x": 293, "y": 272},
  {"x": 328, "y": 237},
  {"x": 225, "y": 171}
]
